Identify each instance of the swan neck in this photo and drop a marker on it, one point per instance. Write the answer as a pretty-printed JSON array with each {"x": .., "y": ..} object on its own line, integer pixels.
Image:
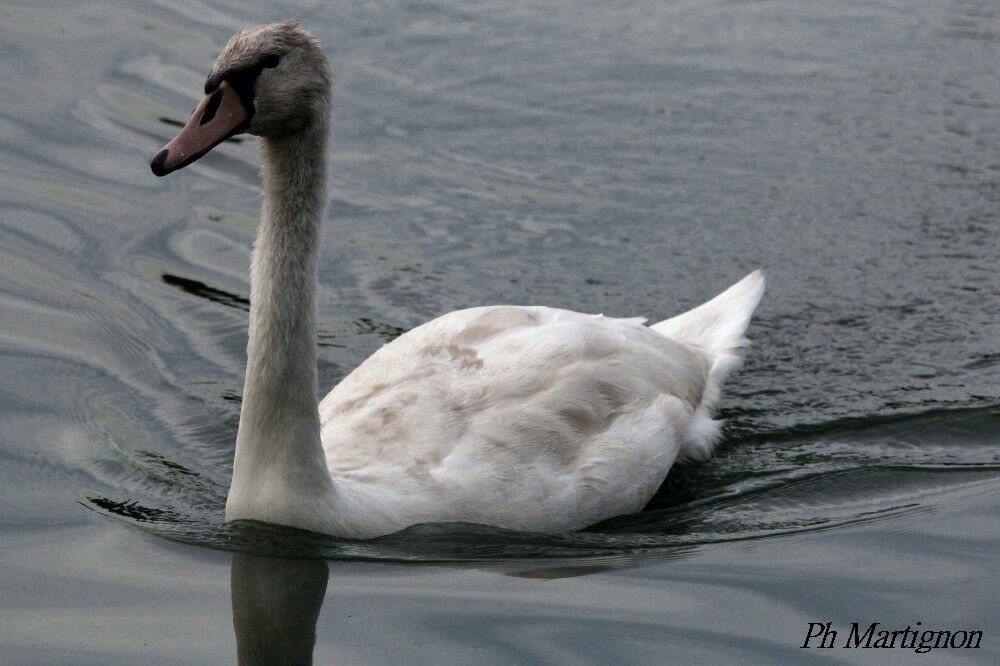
[
  {"x": 278, "y": 444},
  {"x": 281, "y": 354}
]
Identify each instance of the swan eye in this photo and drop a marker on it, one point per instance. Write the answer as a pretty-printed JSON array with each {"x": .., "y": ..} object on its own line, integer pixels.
[{"x": 270, "y": 61}]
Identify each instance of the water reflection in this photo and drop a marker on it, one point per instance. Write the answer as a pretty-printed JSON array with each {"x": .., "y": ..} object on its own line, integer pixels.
[{"x": 276, "y": 603}]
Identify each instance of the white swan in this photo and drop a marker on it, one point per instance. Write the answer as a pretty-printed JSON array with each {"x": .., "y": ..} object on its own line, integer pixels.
[{"x": 528, "y": 418}]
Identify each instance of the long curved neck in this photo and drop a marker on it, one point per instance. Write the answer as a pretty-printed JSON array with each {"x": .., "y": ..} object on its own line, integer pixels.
[
  {"x": 278, "y": 449},
  {"x": 281, "y": 354}
]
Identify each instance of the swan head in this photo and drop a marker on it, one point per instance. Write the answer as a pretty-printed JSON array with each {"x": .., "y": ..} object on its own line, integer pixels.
[{"x": 270, "y": 80}]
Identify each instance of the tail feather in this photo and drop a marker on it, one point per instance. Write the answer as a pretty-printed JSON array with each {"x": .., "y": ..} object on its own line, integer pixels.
[{"x": 717, "y": 327}]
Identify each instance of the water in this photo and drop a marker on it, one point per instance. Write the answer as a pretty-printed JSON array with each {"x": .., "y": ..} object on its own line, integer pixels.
[{"x": 631, "y": 160}]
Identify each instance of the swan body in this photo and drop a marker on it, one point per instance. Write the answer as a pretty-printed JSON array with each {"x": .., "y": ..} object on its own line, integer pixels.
[{"x": 527, "y": 418}]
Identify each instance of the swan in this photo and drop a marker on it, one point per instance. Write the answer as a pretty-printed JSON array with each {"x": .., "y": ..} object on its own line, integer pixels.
[{"x": 525, "y": 418}]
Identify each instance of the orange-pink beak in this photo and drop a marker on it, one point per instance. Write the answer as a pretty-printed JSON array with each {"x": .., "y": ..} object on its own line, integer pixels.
[{"x": 219, "y": 115}]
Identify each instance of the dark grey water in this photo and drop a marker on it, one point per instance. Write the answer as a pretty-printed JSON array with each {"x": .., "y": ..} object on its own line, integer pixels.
[{"x": 630, "y": 159}]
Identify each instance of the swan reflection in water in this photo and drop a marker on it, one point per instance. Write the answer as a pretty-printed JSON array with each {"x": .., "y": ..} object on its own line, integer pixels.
[{"x": 276, "y": 603}]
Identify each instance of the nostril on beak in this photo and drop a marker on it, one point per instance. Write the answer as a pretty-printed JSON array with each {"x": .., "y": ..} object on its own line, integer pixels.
[
  {"x": 212, "y": 107},
  {"x": 159, "y": 163}
]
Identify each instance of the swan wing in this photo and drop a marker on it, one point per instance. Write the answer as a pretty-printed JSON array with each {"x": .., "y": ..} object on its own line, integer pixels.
[{"x": 522, "y": 417}]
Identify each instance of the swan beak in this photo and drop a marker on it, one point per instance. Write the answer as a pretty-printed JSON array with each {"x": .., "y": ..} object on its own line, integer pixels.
[{"x": 219, "y": 115}]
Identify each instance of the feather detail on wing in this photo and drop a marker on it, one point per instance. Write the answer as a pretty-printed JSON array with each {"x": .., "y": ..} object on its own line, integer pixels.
[{"x": 521, "y": 416}]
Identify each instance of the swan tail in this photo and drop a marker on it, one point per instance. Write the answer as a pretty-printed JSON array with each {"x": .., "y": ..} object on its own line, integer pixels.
[
  {"x": 718, "y": 325},
  {"x": 718, "y": 328}
]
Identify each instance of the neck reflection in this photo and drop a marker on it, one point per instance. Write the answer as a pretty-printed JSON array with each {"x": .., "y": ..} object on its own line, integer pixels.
[{"x": 276, "y": 603}]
